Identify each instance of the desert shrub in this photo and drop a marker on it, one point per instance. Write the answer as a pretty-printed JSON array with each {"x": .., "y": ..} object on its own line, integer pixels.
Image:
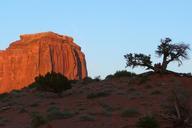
[
  {"x": 107, "y": 112},
  {"x": 147, "y": 122},
  {"x": 107, "y": 107},
  {"x": 122, "y": 73},
  {"x": 73, "y": 81},
  {"x": 156, "y": 92},
  {"x": 33, "y": 85},
  {"x": 22, "y": 110},
  {"x": 98, "y": 94},
  {"x": 4, "y": 96},
  {"x": 130, "y": 112},
  {"x": 52, "y": 82},
  {"x": 87, "y": 117},
  {"x": 179, "y": 111},
  {"x": 109, "y": 77},
  {"x": 16, "y": 92},
  {"x": 56, "y": 113},
  {"x": 189, "y": 74},
  {"x": 97, "y": 78},
  {"x": 3, "y": 121},
  {"x": 35, "y": 104},
  {"x": 37, "y": 120},
  {"x": 87, "y": 80}
]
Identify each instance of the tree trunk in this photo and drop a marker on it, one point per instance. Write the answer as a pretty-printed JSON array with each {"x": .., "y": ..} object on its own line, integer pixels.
[{"x": 164, "y": 63}]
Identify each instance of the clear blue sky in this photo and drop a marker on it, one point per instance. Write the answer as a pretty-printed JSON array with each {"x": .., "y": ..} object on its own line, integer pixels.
[{"x": 105, "y": 29}]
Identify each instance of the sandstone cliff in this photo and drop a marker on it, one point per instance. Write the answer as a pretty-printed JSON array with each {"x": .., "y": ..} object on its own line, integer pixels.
[{"x": 40, "y": 53}]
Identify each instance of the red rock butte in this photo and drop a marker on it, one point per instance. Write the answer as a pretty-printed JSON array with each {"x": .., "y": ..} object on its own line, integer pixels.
[{"x": 37, "y": 54}]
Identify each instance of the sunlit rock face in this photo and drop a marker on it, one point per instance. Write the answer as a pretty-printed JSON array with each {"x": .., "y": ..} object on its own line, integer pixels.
[{"x": 36, "y": 54}]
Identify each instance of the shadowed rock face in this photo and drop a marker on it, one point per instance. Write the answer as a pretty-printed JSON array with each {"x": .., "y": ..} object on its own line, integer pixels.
[{"x": 36, "y": 54}]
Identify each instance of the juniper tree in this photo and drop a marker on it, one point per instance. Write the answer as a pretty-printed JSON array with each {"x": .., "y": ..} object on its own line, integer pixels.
[{"x": 169, "y": 51}]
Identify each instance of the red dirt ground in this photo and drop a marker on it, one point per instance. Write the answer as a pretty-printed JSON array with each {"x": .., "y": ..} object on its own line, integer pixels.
[{"x": 146, "y": 95}]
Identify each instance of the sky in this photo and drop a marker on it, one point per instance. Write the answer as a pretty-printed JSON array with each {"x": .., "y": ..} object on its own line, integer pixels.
[{"x": 105, "y": 29}]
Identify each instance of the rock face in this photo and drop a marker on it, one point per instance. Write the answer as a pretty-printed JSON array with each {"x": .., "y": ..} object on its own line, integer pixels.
[{"x": 36, "y": 54}]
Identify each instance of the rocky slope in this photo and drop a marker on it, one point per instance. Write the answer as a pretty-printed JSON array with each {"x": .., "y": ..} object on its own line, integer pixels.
[
  {"x": 40, "y": 53},
  {"x": 113, "y": 103}
]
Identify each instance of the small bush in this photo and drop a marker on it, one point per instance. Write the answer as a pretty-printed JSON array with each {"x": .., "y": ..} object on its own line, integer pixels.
[
  {"x": 52, "y": 82},
  {"x": 119, "y": 74},
  {"x": 131, "y": 112},
  {"x": 37, "y": 120},
  {"x": 87, "y": 117},
  {"x": 33, "y": 85},
  {"x": 36, "y": 104},
  {"x": 87, "y": 80},
  {"x": 3, "y": 121},
  {"x": 97, "y": 78},
  {"x": 3, "y": 96},
  {"x": 23, "y": 110},
  {"x": 156, "y": 92},
  {"x": 107, "y": 113},
  {"x": 55, "y": 113},
  {"x": 179, "y": 111},
  {"x": 147, "y": 122},
  {"x": 107, "y": 107},
  {"x": 73, "y": 81},
  {"x": 124, "y": 73},
  {"x": 16, "y": 92},
  {"x": 109, "y": 77},
  {"x": 97, "y": 95}
]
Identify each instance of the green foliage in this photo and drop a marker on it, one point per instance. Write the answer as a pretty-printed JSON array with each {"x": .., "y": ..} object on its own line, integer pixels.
[
  {"x": 56, "y": 113},
  {"x": 156, "y": 92},
  {"x": 87, "y": 80},
  {"x": 109, "y": 77},
  {"x": 134, "y": 60},
  {"x": 52, "y": 82},
  {"x": 53, "y": 113},
  {"x": 3, "y": 96},
  {"x": 130, "y": 112},
  {"x": 3, "y": 121},
  {"x": 172, "y": 52},
  {"x": 36, "y": 104},
  {"x": 16, "y": 92},
  {"x": 87, "y": 117},
  {"x": 168, "y": 51},
  {"x": 97, "y": 95},
  {"x": 23, "y": 110},
  {"x": 147, "y": 122},
  {"x": 33, "y": 86},
  {"x": 73, "y": 81},
  {"x": 97, "y": 78},
  {"x": 107, "y": 107},
  {"x": 37, "y": 120},
  {"x": 123, "y": 73}
]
